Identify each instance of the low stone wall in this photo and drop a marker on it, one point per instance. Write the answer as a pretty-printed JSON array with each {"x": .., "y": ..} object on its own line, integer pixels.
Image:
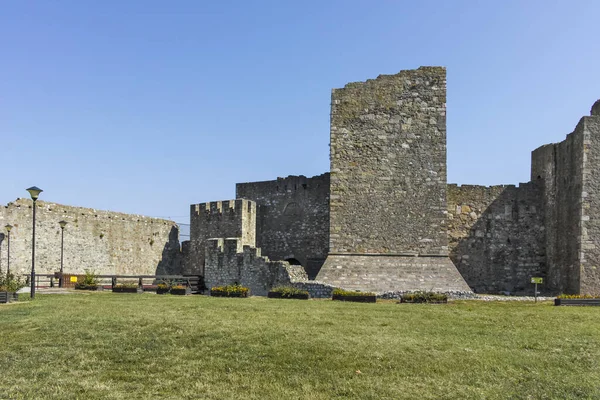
[
  {"x": 317, "y": 290},
  {"x": 229, "y": 262}
]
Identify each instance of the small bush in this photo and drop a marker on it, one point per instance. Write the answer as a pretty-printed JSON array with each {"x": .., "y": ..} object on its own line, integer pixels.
[
  {"x": 289, "y": 291},
  {"x": 10, "y": 283},
  {"x": 178, "y": 287},
  {"x": 163, "y": 286},
  {"x": 126, "y": 286},
  {"x": 577, "y": 296},
  {"x": 424, "y": 297},
  {"x": 348, "y": 293},
  {"x": 89, "y": 279},
  {"x": 229, "y": 291}
]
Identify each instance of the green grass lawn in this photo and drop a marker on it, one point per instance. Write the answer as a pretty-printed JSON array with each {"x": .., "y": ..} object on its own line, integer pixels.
[{"x": 121, "y": 346}]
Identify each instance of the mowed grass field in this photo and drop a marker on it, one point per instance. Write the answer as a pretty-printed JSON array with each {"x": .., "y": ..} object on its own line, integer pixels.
[{"x": 128, "y": 346}]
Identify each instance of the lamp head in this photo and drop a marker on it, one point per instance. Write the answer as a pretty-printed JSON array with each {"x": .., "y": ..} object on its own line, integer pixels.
[
  {"x": 34, "y": 191},
  {"x": 62, "y": 224},
  {"x": 8, "y": 228}
]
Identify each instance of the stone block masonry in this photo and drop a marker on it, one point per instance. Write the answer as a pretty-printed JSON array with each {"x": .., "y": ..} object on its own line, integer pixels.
[
  {"x": 569, "y": 174},
  {"x": 229, "y": 262},
  {"x": 385, "y": 220},
  {"x": 388, "y": 185},
  {"x": 292, "y": 219},
  {"x": 101, "y": 241},
  {"x": 219, "y": 219},
  {"x": 497, "y": 237},
  {"x": 392, "y": 273},
  {"x": 388, "y": 164}
]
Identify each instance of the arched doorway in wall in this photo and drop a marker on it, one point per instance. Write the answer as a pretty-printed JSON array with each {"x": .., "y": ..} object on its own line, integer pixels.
[
  {"x": 309, "y": 268},
  {"x": 293, "y": 261}
]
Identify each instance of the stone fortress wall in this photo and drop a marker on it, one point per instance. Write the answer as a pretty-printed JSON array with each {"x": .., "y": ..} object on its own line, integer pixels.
[
  {"x": 391, "y": 219},
  {"x": 388, "y": 185},
  {"x": 292, "y": 219},
  {"x": 228, "y": 261},
  {"x": 496, "y": 235},
  {"x": 388, "y": 164},
  {"x": 101, "y": 241},
  {"x": 501, "y": 236},
  {"x": 569, "y": 173},
  {"x": 384, "y": 219},
  {"x": 218, "y": 219}
]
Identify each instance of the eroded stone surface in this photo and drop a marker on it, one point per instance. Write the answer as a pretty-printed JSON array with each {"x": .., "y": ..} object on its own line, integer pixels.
[{"x": 102, "y": 241}]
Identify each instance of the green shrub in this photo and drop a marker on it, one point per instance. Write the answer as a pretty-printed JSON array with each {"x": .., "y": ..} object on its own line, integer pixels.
[
  {"x": 10, "y": 283},
  {"x": 349, "y": 293},
  {"x": 424, "y": 297},
  {"x": 577, "y": 296},
  {"x": 126, "y": 286},
  {"x": 89, "y": 279},
  {"x": 82, "y": 286},
  {"x": 230, "y": 290},
  {"x": 289, "y": 291}
]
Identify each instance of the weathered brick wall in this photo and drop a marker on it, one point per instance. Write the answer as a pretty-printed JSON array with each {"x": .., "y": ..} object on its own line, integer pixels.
[
  {"x": 102, "y": 241},
  {"x": 497, "y": 236},
  {"x": 388, "y": 164},
  {"x": 292, "y": 218},
  {"x": 229, "y": 262},
  {"x": 219, "y": 219}
]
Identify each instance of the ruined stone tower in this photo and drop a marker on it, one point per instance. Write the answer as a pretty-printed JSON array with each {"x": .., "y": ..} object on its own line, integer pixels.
[
  {"x": 388, "y": 185},
  {"x": 569, "y": 174},
  {"x": 219, "y": 219}
]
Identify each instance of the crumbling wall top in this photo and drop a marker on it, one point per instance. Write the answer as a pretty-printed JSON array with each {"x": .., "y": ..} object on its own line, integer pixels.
[{"x": 595, "y": 111}]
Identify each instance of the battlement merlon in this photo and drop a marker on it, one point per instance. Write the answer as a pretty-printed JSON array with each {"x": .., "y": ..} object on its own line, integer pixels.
[
  {"x": 281, "y": 185},
  {"x": 224, "y": 206}
]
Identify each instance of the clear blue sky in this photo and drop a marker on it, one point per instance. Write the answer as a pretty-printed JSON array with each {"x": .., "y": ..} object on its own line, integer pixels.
[{"x": 148, "y": 106}]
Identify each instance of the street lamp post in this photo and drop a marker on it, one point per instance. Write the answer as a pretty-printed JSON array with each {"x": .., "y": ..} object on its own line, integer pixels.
[
  {"x": 62, "y": 241},
  {"x": 8, "y": 228},
  {"x": 35, "y": 193},
  {"x": 2, "y": 237}
]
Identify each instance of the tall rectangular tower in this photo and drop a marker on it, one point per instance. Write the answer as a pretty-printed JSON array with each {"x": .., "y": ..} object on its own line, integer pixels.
[{"x": 388, "y": 185}]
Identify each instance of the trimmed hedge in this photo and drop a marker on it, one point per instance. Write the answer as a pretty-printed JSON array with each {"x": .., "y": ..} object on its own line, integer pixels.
[
  {"x": 229, "y": 291},
  {"x": 577, "y": 296},
  {"x": 347, "y": 295},
  {"x": 125, "y": 288},
  {"x": 424, "y": 297},
  {"x": 288, "y": 292}
]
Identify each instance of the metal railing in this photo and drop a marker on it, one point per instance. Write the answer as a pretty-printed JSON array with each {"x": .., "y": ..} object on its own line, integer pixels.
[{"x": 145, "y": 282}]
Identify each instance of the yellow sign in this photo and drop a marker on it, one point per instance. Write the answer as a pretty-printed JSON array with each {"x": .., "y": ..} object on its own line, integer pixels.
[
  {"x": 537, "y": 280},
  {"x": 73, "y": 279}
]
